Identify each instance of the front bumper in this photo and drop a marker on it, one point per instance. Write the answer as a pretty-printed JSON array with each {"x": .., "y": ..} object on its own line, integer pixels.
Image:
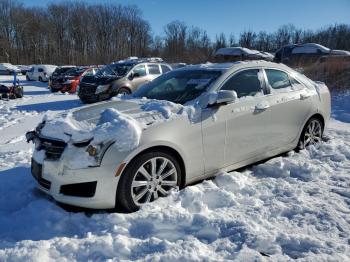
[
  {"x": 92, "y": 98},
  {"x": 53, "y": 178}
]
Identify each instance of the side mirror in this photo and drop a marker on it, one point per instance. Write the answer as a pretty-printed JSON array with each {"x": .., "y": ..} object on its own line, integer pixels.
[
  {"x": 133, "y": 75},
  {"x": 217, "y": 98},
  {"x": 226, "y": 97}
]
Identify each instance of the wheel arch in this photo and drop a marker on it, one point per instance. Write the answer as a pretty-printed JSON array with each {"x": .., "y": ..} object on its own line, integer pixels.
[
  {"x": 166, "y": 149},
  {"x": 125, "y": 87},
  {"x": 319, "y": 117}
]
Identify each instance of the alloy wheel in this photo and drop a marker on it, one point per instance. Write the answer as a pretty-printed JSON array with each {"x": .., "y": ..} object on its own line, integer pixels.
[
  {"x": 155, "y": 178},
  {"x": 313, "y": 133}
]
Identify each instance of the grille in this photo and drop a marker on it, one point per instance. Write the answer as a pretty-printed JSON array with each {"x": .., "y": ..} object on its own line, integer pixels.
[{"x": 53, "y": 148}]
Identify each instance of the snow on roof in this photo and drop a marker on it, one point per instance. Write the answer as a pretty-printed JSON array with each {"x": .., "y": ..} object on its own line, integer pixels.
[
  {"x": 226, "y": 66},
  {"x": 242, "y": 51},
  {"x": 340, "y": 52},
  {"x": 309, "y": 48}
]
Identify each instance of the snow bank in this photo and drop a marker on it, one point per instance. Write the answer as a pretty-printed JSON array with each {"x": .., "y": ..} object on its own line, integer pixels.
[{"x": 294, "y": 206}]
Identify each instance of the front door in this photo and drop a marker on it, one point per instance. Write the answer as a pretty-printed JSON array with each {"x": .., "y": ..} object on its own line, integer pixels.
[
  {"x": 141, "y": 76},
  {"x": 238, "y": 131}
]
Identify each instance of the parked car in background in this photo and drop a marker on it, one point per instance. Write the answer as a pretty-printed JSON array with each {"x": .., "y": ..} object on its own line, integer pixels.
[
  {"x": 40, "y": 73},
  {"x": 232, "y": 54},
  {"x": 57, "y": 73},
  {"x": 237, "y": 114},
  {"x": 8, "y": 69},
  {"x": 306, "y": 54},
  {"x": 123, "y": 77},
  {"x": 69, "y": 81},
  {"x": 24, "y": 68}
]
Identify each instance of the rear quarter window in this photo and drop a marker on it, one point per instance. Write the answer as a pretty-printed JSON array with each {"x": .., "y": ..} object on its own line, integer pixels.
[{"x": 165, "y": 69}]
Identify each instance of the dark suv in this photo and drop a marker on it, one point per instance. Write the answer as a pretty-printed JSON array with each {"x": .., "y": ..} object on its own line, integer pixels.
[
  {"x": 56, "y": 79},
  {"x": 123, "y": 77}
]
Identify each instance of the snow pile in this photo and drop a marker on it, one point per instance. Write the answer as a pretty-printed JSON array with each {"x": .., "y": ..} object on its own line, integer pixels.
[
  {"x": 166, "y": 108},
  {"x": 119, "y": 127},
  {"x": 65, "y": 127},
  {"x": 294, "y": 206}
]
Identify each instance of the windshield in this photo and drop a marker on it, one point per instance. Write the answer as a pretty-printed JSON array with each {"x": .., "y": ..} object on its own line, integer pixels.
[
  {"x": 178, "y": 86},
  {"x": 115, "y": 69}
]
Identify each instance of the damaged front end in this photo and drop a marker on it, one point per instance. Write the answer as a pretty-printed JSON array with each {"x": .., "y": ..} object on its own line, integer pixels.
[{"x": 74, "y": 153}]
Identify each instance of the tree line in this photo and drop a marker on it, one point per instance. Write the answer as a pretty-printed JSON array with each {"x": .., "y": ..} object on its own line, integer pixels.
[{"x": 81, "y": 33}]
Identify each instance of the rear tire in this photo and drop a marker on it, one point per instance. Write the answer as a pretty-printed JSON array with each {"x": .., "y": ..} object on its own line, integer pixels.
[
  {"x": 311, "y": 134},
  {"x": 135, "y": 188},
  {"x": 123, "y": 91}
]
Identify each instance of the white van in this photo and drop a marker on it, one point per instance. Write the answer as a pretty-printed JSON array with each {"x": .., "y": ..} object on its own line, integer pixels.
[{"x": 40, "y": 73}]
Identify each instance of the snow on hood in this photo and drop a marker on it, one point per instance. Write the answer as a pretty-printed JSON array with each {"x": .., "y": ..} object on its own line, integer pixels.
[
  {"x": 119, "y": 120},
  {"x": 122, "y": 127}
]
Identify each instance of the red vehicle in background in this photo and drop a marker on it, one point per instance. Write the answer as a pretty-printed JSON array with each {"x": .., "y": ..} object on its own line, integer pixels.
[{"x": 69, "y": 81}]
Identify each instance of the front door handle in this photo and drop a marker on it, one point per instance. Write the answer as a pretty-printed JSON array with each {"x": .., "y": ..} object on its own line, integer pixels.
[
  {"x": 304, "y": 96},
  {"x": 262, "y": 106}
]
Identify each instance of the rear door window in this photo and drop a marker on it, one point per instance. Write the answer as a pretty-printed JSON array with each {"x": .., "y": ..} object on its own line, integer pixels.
[
  {"x": 278, "y": 80},
  {"x": 153, "y": 69},
  {"x": 40, "y": 70},
  {"x": 245, "y": 83}
]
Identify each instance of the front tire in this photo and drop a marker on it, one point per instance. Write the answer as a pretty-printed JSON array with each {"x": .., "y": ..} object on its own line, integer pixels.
[
  {"x": 149, "y": 176},
  {"x": 40, "y": 79},
  {"x": 311, "y": 134}
]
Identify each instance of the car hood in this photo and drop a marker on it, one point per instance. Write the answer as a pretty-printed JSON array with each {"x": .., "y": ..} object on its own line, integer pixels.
[
  {"x": 99, "y": 80},
  {"x": 132, "y": 107},
  {"x": 82, "y": 124}
]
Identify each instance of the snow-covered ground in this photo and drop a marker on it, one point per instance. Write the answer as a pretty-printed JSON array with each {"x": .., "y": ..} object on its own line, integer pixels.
[{"x": 292, "y": 206}]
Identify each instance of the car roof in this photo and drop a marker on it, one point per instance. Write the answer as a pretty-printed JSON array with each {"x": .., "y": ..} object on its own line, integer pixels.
[{"x": 234, "y": 65}]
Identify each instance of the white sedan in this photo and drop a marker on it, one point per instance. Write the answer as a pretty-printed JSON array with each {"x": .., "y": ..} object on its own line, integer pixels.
[{"x": 185, "y": 126}]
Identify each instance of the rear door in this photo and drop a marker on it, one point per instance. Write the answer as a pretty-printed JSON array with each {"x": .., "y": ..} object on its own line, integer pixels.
[{"x": 290, "y": 106}]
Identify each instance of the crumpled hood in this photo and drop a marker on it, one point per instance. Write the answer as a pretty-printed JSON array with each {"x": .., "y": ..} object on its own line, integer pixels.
[
  {"x": 136, "y": 108},
  {"x": 81, "y": 124},
  {"x": 99, "y": 80}
]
